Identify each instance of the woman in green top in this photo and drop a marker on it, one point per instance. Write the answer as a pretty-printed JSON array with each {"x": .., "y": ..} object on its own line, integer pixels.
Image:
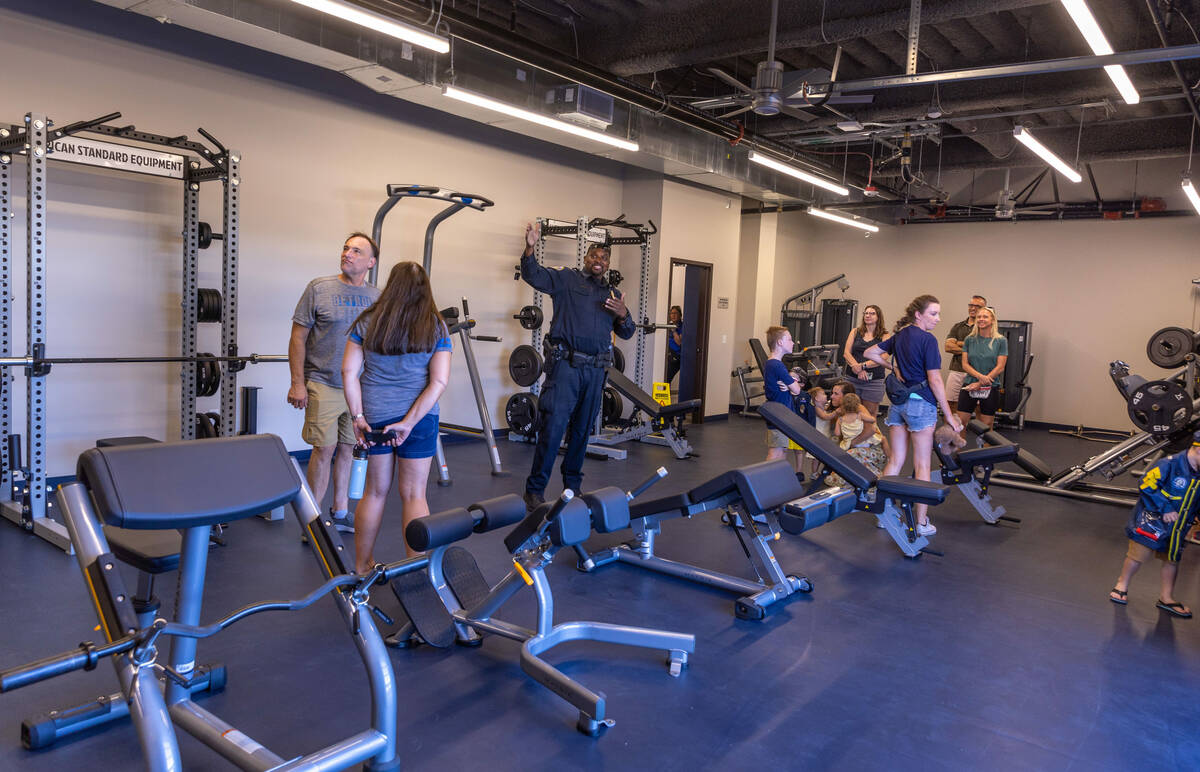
[{"x": 985, "y": 352}]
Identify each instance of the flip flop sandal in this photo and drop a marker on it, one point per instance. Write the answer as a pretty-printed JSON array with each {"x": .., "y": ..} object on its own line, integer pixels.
[
  {"x": 1123, "y": 596},
  {"x": 1174, "y": 609}
]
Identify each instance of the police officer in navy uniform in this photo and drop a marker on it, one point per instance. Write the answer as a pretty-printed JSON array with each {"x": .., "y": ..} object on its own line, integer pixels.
[{"x": 577, "y": 349}]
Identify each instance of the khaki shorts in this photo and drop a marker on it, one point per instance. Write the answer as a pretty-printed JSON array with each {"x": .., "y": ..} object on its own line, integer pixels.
[
  {"x": 1141, "y": 553},
  {"x": 954, "y": 381},
  {"x": 326, "y": 419}
]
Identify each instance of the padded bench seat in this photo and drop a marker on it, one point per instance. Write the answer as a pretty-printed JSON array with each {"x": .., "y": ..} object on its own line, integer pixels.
[
  {"x": 992, "y": 454},
  {"x": 154, "y": 552},
  {"x": 916, "y": 491}
]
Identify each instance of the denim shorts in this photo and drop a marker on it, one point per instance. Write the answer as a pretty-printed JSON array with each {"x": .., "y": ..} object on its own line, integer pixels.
[
  {"x": 916, "y": 415},
  {"x": 420, "y": 443}
]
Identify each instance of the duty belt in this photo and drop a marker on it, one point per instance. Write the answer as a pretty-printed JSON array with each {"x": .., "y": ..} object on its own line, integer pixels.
[{"x": 555, "y": 350}]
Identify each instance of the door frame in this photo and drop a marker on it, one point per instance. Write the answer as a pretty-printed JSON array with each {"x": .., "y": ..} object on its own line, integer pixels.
[{"x": 702, "y": 333}]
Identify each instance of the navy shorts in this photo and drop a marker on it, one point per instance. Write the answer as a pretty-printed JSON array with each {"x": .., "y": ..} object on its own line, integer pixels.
[{"x": 420, "y": 443}]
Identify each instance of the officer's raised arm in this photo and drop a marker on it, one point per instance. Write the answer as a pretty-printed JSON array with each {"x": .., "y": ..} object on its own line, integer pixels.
[{"x": 537, "y": 276}]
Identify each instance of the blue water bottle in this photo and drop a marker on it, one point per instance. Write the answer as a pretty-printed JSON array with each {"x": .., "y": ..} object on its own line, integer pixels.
[{"x": 358, "y": 472}]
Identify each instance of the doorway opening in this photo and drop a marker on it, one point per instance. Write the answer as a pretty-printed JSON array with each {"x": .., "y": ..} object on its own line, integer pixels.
[{"x": 690, "y": 288}]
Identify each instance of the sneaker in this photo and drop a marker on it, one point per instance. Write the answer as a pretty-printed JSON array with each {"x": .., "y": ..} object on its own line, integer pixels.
[
  {"x": 345, "y": 523},
  {"x": 926, "y": 529},
  {"x": 533, "y": 501}
]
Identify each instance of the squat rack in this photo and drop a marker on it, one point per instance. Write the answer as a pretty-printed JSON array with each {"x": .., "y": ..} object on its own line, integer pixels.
[{"x": 38, "y": 140}]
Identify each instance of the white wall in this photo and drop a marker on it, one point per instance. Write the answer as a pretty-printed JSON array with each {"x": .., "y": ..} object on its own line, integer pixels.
[
  {"x": 1094, "y": 290},
  {"x": 314, "y": 168}
]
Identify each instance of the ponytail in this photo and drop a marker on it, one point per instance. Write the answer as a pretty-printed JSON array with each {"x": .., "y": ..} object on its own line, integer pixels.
[{"x": 917, "y": 306}]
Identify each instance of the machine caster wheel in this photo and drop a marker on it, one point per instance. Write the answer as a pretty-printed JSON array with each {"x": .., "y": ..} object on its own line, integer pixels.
[
  {"x": 749, "y": 611},
  {"x": 803, "y": 583},
  {"x": 591, "y": 727},
  {"x": 676, "y": 662}
]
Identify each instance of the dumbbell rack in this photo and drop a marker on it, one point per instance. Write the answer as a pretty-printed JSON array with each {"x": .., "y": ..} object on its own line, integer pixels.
[{"x": 38, "y": 140}]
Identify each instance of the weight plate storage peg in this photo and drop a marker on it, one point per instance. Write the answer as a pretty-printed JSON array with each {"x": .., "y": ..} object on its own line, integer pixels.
[
  {"x": 1160, "y": 407},
  {"x": 521, "y": 413},
  {"x": 530, "y": 317},
  {"x": 1169, "y": 346},
  {"x": 525, "y": 365}
]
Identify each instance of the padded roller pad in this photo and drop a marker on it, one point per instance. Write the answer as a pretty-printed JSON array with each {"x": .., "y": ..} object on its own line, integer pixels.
[
  {"x": 498, "y": 512},
  {"x": 610, "y": 509},
  {"x": 992, "y": 454},
  {"x": 667, "y": 504},
  {"x": 573, "y": 524},
  {"x": 426, "y": 533},
  {"x": 818, "y": 445},
  {"x": 908, "y": 489},
  {"x": 189, "y": 483},
  {"x": 767, "y": 485}
]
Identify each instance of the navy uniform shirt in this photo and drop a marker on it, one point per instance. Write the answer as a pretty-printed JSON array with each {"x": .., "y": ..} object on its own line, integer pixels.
[
  {"x": 1171, "y": 485},
  {"x": 580, "y": 318}
]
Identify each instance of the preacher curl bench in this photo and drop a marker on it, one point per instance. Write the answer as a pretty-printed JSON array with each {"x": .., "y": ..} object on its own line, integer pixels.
[{"x": 192, "y": 486}]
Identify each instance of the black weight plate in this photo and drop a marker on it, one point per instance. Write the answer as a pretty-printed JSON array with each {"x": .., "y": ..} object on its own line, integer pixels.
[
  {"x": 614, "y": 406},
  {"x": 521, "y": 412},
  {"x": 208, "y": 377},
  {"x": 525, "y": 365},
  {"x": 531, "y": 317},
  {"x": 618, "y": 359},
  {"x": 204, "y": 235},
  {"x": 1160, "y": 407},
  {"x": 216, "y": 423},
  {"x": 1170, "y": 345},
  {"x": 204, "y": 428}
]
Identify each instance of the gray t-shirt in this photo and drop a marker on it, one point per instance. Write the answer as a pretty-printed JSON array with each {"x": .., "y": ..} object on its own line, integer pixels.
[
  {"x": 327, "y": 308},
  {"x": 391, "y": 383}
]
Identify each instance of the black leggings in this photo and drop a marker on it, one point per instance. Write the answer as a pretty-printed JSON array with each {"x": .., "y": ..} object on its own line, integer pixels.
[{"x": 672, "y": 365}]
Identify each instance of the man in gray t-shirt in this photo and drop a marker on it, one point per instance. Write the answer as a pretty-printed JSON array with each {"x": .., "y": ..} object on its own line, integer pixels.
[
  {"x": 322, "y": 319},
  {"x": 954, "y": 345}
]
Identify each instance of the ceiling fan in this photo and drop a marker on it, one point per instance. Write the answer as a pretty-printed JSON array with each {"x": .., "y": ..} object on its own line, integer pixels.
[{"x": 774, "y": 91}]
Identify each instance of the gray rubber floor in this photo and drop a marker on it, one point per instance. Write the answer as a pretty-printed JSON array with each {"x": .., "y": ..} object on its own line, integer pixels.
[{"x": 1003, "y": 654}]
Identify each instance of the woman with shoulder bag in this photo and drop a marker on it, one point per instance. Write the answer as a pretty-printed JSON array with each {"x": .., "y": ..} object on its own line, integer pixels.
[{"x": 916, "y": 391}]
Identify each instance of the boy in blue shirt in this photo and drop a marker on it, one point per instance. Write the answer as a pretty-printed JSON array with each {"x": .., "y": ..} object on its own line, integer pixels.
[
  {"x": 1167, "y": 505},
  {"x": 779, "y": 386}
]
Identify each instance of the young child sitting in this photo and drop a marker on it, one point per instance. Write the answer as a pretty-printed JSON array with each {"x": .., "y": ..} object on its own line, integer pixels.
[{"x": 853, "y": 420}]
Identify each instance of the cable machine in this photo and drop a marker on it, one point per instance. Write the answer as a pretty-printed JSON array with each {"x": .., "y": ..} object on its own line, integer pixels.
[
  {"x": 463, "y": 325},
  {"x": 24, "y": 500}
]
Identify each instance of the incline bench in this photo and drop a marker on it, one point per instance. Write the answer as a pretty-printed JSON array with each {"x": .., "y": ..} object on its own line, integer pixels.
[
  {"x": 663, "y": 424},
  {"x": 890, "y": 499}
]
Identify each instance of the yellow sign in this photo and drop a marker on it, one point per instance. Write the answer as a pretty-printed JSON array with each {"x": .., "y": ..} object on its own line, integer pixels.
[{"x": 662, "y": 393}]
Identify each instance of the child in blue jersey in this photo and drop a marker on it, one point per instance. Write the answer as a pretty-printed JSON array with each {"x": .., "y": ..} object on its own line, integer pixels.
[
  {"x": 779, "y": 386},
  {"x": 1167, "y": 506}
]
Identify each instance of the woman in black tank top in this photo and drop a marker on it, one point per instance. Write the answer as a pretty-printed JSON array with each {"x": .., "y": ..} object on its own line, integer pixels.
[{"x": 867, "y": 376}]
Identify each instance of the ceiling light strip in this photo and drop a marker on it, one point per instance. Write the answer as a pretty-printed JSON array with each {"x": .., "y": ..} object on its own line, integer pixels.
[
  {"x": 542, "y": 120},
  {"x": 792, "y": 171},
  {"x": 1190, "y": 190},
  {"x": 1090, "y": 29},
  {"x": 1022, "y": 134},
  {"x": 860, "y": 224},
  {"x": 379, "y": 23}
]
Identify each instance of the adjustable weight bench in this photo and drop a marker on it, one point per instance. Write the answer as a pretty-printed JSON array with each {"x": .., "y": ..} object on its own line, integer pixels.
[
  {"x": 960, "y": 469},
  {"x": 758, "y": 491},
  {"x": 1036, "y": 468},
  {"x": 890, "y": 499},
  {"x": 663, "y": 424},
  {"x": 454, "y": 601}
]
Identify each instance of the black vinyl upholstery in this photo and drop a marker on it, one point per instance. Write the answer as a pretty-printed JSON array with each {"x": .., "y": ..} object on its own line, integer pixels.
[
  {"x": 992, "y": 454},
  {"x": 767, "y": 485},
  {"x": 911, "y": 490},
  {"x": 189, "y": 483},
  {"x": 821, "y": 447},
  {"x": 619, "y": 381}
]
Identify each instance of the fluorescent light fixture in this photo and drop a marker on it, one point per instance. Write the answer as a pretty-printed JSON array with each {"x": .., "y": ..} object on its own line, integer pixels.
[
  {"x": 1086, "y": 22},
  {"x": 791, "y": 171},
  {"x": 861, "y": 224},
  {"x": 379, "y": 23},
  {"x": 1022, "y": 134},
  {"x": 1190, "y": 190},
  {"x": 542, "y": 120}
]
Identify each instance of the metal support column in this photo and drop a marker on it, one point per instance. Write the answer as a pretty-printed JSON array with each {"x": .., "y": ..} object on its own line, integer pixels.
[
  {"x": 640, "y": 374},
  {"x": 914, "y": 35},
  {"x": 229, "y": 304},
  {"x": 37, "y": 144},
  {"x": 6, "y": 378},
  {"x": 187, "y": 301},
  {"x": 539, "y": 254}
]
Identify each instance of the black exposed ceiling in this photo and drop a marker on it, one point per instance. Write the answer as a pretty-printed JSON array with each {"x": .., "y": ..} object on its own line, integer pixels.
[{"x": 670, "y": 46}]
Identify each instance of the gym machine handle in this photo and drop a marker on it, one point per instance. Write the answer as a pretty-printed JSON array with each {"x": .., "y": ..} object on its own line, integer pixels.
[
  {"x": 14, "y": 453},
  {"x": 659, "y": 473},
  {"x": 84, "y": 657},
  {"x": 78, "y": 126}
]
